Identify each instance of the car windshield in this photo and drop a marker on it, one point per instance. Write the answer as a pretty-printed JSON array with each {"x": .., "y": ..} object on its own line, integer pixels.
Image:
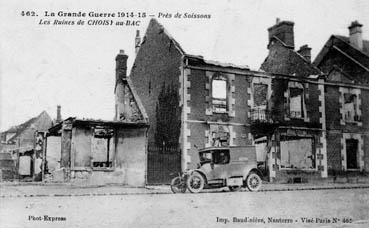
[{"x": 205, "y": 157}]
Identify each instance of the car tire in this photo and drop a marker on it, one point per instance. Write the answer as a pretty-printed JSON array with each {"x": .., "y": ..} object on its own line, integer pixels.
[
  {"x": 253, "y": 182},
  {"x": 195, "y": 182},
  {"x": 177, "y": 186}
]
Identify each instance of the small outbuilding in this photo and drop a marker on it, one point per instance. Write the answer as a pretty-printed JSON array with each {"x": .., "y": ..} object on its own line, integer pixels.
[{"x": 96, "y": 152}]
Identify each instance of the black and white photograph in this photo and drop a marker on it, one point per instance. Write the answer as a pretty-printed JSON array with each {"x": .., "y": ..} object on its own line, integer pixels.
[{"x": 197, "y": 113}]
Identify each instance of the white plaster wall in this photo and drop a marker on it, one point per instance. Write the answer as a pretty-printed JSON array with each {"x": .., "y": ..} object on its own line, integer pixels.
[{"x": 53, "y": 152}]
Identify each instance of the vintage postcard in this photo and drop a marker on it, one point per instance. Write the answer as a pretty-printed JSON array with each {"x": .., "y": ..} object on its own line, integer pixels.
[{"x": 196, "y": 113}]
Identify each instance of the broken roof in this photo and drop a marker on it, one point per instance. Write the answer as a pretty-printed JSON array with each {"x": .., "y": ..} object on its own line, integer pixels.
[
  {"x": 342, "y": 45},
  {"x": 216, "y": 63},
  {"x": 289, "y": 64},
  {"x": 94, "y": 123},
  {"x": 19, "y": 129},
  {"x": 199, "y": 57}
]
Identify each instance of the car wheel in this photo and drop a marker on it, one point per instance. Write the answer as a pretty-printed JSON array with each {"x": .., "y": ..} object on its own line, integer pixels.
[
  {"x": 195, "y": 182},
  {"x": 177, "y": 185},
  {"x": 253, "y": 182}
]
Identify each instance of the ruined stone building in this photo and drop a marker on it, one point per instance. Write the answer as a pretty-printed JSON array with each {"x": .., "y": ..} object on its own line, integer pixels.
[
  {"x": 193, "y": 103},
  {"x": 94, "y": 152},
  {"x": 345, "y": 62},
  {"x": 21, "y": 144},
  {"x": 296, "y": 107},
  {"x": 342, "y": 71}
]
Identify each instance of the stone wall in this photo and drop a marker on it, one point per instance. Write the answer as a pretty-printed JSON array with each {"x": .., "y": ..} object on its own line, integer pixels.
[
  {"x": 157, "y": 64},
  {"x": 202, "y": 123}
]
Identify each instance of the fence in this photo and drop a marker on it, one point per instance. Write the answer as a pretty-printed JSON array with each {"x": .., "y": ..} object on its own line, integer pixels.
[{"x": 162, "y": 162}]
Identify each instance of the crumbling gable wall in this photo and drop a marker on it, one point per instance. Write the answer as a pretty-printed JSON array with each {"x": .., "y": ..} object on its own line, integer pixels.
[
  {"x": 283, "y": 60},
  {"x": 128, "y": 109},
  {"x": 157, "y": 62}
]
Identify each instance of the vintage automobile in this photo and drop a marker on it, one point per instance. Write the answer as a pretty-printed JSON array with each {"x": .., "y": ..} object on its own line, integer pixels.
[{"x": 232, "y": 167}]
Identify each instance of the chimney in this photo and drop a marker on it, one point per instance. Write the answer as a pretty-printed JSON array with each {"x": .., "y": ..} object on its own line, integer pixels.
[
  {"x": 283, "y": 30},
  {"x": 121, "y": 66},
  {"x": 137, "y": 41},
  {"x": 305, "y": 51},
  {"x": 58, "y": 114},
  {"x": 356, "y": 38}
]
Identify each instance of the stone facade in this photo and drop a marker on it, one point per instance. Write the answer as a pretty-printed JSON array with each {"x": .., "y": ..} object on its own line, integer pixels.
[
  {"x": 218, "y": 101},
  {"x": 207, "y": 119},
  {"x": 296, "y": 105},
  {"x": 345, "y": 61},
  {"x": 161, "y": 61}
]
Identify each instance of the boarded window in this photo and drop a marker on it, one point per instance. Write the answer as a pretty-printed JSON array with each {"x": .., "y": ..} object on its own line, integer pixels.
[{"x": 297, "y": 154}]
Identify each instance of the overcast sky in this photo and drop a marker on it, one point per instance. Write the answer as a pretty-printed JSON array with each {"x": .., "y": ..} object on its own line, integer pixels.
[{"x": 43, "y": 66}]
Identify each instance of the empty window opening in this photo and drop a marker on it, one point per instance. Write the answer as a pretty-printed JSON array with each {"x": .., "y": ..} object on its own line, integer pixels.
[
  {"x": 259, "y": 112},
  {"x": 296, "y": 103},
  {"x": 260, "y": 95},
  {"x": 219, "y": 94},
  {"x": 350, "y": 107},
  {"x": 102, "y": 152}
]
